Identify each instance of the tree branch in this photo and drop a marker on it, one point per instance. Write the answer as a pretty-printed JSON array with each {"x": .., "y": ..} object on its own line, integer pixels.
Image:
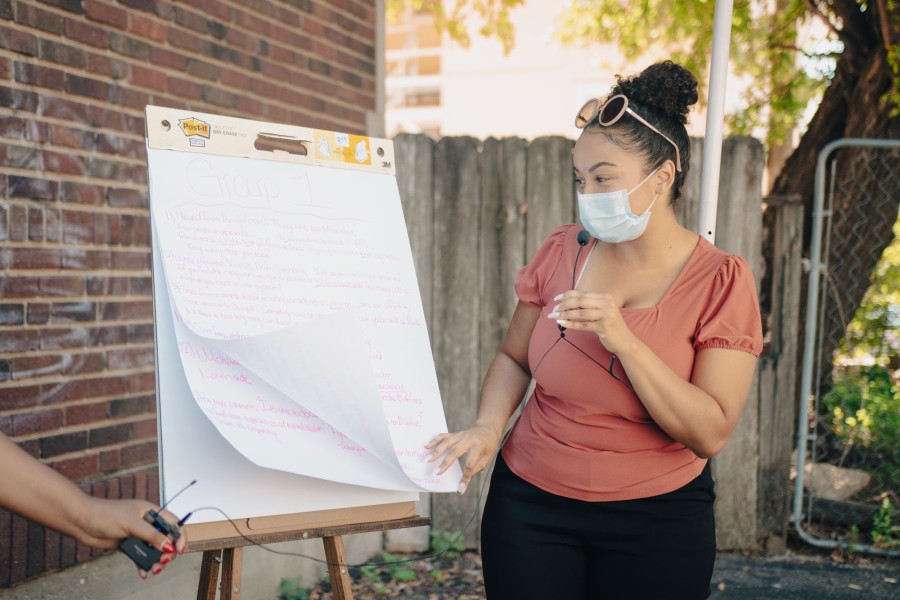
[
  {"x": 804, "y": 52},
  {"x": 814, "y": 9}
]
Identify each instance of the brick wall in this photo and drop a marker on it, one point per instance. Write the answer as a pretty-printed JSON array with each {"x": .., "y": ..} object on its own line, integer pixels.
[{"x": 76, "y": 334}]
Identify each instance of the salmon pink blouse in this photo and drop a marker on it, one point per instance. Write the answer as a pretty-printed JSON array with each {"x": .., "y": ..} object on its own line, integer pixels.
[{"x": 585, "y": 435}]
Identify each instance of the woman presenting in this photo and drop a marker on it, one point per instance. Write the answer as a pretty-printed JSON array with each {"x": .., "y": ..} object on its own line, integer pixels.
[{"x": 642, "y": 338}]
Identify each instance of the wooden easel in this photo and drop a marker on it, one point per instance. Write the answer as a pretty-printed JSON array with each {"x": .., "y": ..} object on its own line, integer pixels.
[{"x": 228, "y": 552}]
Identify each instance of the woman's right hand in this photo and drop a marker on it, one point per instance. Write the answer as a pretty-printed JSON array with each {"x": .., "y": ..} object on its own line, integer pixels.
[{"x": 479, "y": 443}]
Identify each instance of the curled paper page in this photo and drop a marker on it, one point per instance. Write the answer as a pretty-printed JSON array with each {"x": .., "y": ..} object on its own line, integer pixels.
[{"x": 297, "y": 317}]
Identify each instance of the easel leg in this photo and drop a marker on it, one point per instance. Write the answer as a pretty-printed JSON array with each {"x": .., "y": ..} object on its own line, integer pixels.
[
  {"x": 209, "y": 575},
  {"x": 232, "y": 564},
  {"x": 340, "y": 576}
]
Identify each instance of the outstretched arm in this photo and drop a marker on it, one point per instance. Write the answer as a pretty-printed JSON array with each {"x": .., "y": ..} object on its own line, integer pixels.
[{"x": 37, "y": 492}]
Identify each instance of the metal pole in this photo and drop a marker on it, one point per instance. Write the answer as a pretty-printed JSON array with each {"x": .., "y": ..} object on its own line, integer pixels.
[{"x": 715, "y": 111}]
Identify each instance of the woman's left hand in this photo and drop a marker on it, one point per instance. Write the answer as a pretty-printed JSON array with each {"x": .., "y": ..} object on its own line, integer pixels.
[{"x": 597, "y": 312}]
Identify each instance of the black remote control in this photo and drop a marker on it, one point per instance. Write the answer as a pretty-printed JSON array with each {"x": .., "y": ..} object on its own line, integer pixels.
[{"x": 143, "y": 554}]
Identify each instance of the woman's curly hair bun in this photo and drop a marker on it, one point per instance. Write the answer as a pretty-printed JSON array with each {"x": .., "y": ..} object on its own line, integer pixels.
[{"x": 664, "y": 87}]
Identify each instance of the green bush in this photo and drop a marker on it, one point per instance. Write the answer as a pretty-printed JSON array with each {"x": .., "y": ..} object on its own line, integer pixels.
[
  {"x": 864, "y": 406},
  {"x": 292, "y": 589}
]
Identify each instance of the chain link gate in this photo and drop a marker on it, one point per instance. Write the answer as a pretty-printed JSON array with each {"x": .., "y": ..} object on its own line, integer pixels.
[{"x": 849, "y": 413}]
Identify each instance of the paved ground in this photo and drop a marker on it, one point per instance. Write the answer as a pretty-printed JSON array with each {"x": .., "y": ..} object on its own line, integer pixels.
[{"x": 801, "y": 577}]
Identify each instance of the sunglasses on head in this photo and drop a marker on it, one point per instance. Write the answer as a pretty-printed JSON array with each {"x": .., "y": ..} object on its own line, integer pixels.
[{"x": 610, "y": 112}]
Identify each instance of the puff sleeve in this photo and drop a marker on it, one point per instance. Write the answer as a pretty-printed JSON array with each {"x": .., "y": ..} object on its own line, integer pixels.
[
  {"x": 531, "y": 279},
  {"x": 731, "y": 318}
]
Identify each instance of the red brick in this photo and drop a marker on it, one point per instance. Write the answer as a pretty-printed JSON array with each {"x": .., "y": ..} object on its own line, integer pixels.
[
  {"x": 107, "y": 66},
  {"x": 107, "y": 286},
  {"x": 36, "y": 18},
  {"x": 38, "y": 312},
  {"x": 63, "y": 443},
  {"x": 113, "y": 488},
  {"x": 67, "y": 312},
  {"x": 166, "y": 58},
  {"x": 86, "y": 33},
  {"x": 126, "y": 486},
  {"x": 146, "y": 5},
  {"x": 53, "y": 225},
  {"x": 19, "y": 561},
  {"x": 111, "y": 434},
  {"x": 61, "y": 53},
  {"x": 36, "y": 422},
  {"x": 132, "y": 406},
  {"x": 140, "y": 333},
  {"x": 81, "y": 414},
  {"x": 45, "y": 77},
  {"x": 35, "y": 224},
  {"x": 69, "y": 137},
  {"x": 52, "y": 547},
  {"x": 184, "y": 88},
  {"x": 32, "y": 188},
  {"x": 140, "y": 286},
  {"x": 143, "y": 27},
  {"x": 130, "y": 358},
  {"x": 75, "y": 258},
  {"x": 81, "y": 193},
  {"x": 34, "y": 258},
  {"x": 104, "y": 13},
  {"x": 126, "y": 311},
  {"x": 25, "y": 340},
  {"x": 62, "y": 286},
  {"x": 78, "y": 469},
  {"x": 18, "y": 99},
  {"x": 67, "y": 552},
  {"x": 12, "y": 314},
  {"x": 141, "y": 454},
  {"x": 78, "y": 227},
  {"x": 18, "y": 41},
  {"x": 31, "y": 365},
  {"x": 5, "y": 429},
  {"x": 144, "y": 429},
  {"x": 132, "y": 261},
  {"x": 66, "y": 163},
  {"x": 142, "y": 382},
  {"x": 58, "y": 339},
  {"x": 85, "y": 86},
  {"x": 110, "y": 460},
  {"x": 60, "y": 108},
  {"x": 19, "y": 287},
  {"x": 85, "y": 362},
  {"x": 148, "y": 78}
]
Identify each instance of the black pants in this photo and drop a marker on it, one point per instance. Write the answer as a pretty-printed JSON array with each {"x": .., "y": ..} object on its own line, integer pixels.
[{"x": 537, "y": 545}]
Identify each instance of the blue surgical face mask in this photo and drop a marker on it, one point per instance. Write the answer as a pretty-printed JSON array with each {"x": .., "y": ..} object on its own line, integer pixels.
[{"x": 607, "y": 216}]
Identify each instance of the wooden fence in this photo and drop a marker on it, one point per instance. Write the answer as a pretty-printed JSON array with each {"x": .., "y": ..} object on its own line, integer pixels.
[{"x": 477, "y": 211}]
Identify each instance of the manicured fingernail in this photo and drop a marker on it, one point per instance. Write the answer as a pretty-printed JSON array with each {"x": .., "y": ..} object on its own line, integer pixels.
[
  {"x": 168, "y": 548},
  {"x": 462, "y": 488},
  {"x": 553, "y": 315},
  {"x": 183, "y": 550},
  {"x": 558, "y": 298},
  {"x": 157, "y": 570},
  {"x": 164, "y": 560}
]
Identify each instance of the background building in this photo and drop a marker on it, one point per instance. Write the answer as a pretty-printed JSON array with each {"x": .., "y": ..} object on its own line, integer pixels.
[{"x": 437, "y": 87}]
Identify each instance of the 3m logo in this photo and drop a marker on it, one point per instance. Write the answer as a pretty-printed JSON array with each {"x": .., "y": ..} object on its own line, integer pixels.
[{"x": 194, "y": 126}]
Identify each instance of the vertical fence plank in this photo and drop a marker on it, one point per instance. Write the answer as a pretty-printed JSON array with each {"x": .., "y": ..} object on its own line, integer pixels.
[
  {"x": 504, "y": 166},
  {"x": 739, "y": 231},
  {"x": 687, "y": 210},
  {"x": 456, "y": 305},
  {"x": 414, "y": 162},
  {"x": 778, "y": 375},
  {"x": 550, "y": 189}
]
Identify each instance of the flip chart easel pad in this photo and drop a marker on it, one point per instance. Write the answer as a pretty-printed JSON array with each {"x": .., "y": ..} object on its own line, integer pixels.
[{"x": 329, "y": 219}]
